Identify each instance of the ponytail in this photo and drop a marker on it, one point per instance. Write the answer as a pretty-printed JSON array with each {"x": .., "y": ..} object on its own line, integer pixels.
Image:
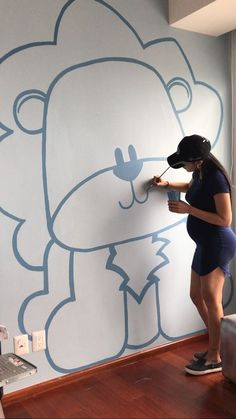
[{"x": 212, "y": 163}]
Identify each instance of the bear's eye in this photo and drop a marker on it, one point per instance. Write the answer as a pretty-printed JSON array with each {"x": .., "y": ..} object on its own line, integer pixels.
[{"x": 181, "y": 93}]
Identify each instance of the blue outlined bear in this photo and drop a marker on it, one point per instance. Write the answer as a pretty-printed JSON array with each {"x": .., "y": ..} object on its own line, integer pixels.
[{"x": 105, "y": 122}]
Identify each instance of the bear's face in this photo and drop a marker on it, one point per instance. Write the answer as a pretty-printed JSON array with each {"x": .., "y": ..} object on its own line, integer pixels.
[{"x": 108, "y": 127}]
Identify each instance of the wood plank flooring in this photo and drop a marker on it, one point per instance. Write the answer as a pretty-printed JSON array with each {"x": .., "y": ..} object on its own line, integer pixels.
[{"x": 153, "y": 387}]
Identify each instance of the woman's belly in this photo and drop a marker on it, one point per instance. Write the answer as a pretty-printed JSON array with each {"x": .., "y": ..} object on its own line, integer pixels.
[{"x": 210, "y": 234}]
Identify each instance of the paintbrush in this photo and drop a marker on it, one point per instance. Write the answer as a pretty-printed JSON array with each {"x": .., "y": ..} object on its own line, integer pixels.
[{"x": 151, "y": 184}]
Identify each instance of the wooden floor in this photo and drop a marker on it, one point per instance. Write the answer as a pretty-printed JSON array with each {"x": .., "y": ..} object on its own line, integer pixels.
[{"x": 153, "y": 387}]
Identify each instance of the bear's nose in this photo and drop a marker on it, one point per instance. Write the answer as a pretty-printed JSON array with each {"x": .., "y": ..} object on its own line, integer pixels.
[{"x": 127, "y": 170}]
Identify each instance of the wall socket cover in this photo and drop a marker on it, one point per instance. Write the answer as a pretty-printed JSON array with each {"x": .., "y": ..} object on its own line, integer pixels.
[
  {"x": 3, "y": 332},
  {"x": 21, "y": 344},
  {"x": 38, "y": 341}
]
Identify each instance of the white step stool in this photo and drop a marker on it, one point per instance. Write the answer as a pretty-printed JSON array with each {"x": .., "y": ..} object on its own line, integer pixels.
[{"x": 228, "y": 346}]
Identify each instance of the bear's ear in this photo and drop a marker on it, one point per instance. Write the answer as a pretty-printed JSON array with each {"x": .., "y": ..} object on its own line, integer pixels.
[
  {"x": 181, "y": 93},
  {"x": 28, "y": 111}
]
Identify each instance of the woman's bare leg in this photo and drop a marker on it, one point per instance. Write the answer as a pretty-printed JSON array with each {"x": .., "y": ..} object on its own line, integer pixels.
[
  {"x": 212, "y": 289},
  {"x": 197, "y": 298},
  {"x": 1, "y": 411}
]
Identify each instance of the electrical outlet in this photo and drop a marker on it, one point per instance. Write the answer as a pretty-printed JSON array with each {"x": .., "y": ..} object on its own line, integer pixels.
[
  {"x": 38, "y": 341},
  {"x": 21, "y": 344}
]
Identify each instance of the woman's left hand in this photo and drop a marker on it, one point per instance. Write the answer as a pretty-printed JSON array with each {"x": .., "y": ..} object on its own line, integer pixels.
[{"x": 180, "y": 207}]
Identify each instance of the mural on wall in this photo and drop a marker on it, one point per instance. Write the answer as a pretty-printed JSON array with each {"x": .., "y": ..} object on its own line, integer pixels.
[{"x": 87, "y": 121}]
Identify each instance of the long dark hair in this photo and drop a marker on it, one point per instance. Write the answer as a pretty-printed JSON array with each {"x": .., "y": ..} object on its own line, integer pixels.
[{"x": 211, "y": 164}]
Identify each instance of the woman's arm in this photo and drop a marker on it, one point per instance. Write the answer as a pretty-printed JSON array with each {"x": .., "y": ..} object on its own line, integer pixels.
[
  {"x": 175, "y": 186},
  {"x": 222, "y": 217}
]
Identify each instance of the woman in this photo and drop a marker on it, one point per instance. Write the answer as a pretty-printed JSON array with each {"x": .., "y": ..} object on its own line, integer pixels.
[{"x": 209, "y": 207}]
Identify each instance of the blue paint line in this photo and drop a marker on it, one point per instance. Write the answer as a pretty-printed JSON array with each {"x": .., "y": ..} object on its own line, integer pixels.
[
  {"x": 143, "y": 45},
  {"x": 186, "y": 335},
  {"x": 20, "y": 100},
  {"x": 162, "y": 333},
  {"x": 6, "y": 131},
  {"x": 40, "y": 43},
  {"x": 157, "y": 335},
  {"x": 43, "y": 291},
  {"x": 110, "y": 266},
  {"x": 24, "y": 47},
  {"x": 51, "y": 87},
  {"x": 139, "y": 297},
  {"x": 166, "y": 242},
  {"x": 118, "y": 243},
  {"x": 17, "y": 255},
  {"x": 89, "y": 365},
  {"x": 68, "y": 300},
  {"x": 129, "y": 170},
  {"x": 86, "y": 180},
  {"x": 93, "y": 62},
  {"x": 21, "y": 314},
  {"x": 11, "y": 216},
  {"x": 19, "y": 258},
  {"x": 151, "y": 277},
  {"x": 143, "y": 345},
  {"x": 60, "y": 16},
  {"x": 153, "y": 280},
  {"x": 157, "y": 41},
  {"x": 122, "y": 18},
  {"x": 179, "y": 81},
  {"x": 134, "y": 198}
]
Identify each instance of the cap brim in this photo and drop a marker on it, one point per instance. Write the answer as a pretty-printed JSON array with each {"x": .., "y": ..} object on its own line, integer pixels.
[{"x": 175, "y": 161}]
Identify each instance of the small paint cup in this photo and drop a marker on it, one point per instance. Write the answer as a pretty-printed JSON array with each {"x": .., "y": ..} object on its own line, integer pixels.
[{"x": 173, "y": 195}]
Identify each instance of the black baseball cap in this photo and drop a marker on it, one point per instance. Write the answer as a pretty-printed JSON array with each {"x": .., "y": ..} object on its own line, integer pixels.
[{"x": 190, "y": 149}]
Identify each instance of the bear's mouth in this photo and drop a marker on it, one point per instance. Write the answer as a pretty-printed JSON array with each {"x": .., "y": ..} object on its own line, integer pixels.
[{"x": 134, "y": 198}]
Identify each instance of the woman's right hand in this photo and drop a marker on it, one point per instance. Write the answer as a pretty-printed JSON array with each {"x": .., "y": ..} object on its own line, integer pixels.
[{"x": 158, "y": 181}]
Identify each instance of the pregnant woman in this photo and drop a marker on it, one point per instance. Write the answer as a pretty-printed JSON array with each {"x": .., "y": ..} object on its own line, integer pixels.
[{"x": 209, "y": 207}]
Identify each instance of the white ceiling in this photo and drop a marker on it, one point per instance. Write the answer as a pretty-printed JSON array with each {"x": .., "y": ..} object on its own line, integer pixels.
[{"x": 209, "y": 17}]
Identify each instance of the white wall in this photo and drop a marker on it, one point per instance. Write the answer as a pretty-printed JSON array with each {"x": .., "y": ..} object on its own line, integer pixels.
[{"x": 94, "y": 97}]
